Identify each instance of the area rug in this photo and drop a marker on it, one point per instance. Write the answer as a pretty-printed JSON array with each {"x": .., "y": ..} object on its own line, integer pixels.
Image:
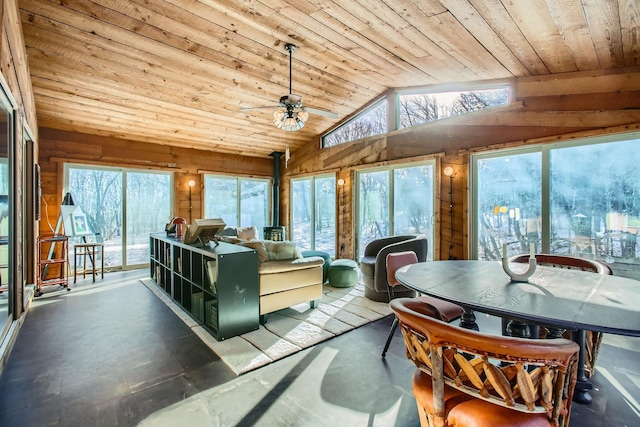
[{"x": 287, "y": 331}]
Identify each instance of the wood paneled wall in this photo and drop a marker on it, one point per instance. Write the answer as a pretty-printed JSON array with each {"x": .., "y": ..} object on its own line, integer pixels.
[
  {"x": 15, "y": 72},
  {"x": 544, "y": 110}
]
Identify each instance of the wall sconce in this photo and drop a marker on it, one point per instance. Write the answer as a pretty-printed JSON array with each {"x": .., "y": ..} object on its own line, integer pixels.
[
  {"x": 191, "y": 184},
  {"x": 448, "y": 171}
]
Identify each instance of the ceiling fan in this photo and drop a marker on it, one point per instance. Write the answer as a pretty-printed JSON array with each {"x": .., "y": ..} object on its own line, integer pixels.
[{"x": 290, "y": 115}]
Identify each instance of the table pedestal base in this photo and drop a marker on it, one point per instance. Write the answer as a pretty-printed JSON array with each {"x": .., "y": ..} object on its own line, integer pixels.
[
  {"x": 583, "y": 384},
  {"x": 468, "y": 319}
]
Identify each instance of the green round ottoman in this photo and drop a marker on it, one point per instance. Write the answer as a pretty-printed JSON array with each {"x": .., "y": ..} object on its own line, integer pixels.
[
  {"x": 325, "y": 266},
  {"x": 343, "y": 273}
]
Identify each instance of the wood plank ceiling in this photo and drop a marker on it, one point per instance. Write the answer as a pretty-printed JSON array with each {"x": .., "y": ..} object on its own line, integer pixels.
[{"x": 177, "y": 71}]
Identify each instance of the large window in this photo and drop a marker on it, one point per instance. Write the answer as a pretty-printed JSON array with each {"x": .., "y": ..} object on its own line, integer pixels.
[
  {"x": 372, "y": 121},
  {"x": 240, "y": 202},
  {"x": 313, "y": 213},
  {"x": 122, "y": 207},
  {"x": 419, "y": 108},
  {"x": 580, "y": 198},
  {"x": 508, "y": 203},
  {"x": 395, "y": 201}
]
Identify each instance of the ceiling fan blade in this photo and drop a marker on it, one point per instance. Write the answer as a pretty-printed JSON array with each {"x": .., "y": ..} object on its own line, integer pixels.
[
  {"x": 319, "y": 112},
  {"x": 259, "y": 108}
]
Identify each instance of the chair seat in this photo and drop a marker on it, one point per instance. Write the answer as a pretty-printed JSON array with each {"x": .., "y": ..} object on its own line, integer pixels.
[
  {"x": 448, "y": 310},
  {"x": 464, "y": 410}
]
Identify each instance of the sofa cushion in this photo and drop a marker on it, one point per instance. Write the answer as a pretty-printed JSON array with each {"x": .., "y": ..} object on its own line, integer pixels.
[
  {"x": 278, "y": 251},
  {"x": 258, "y": 246},
  {"x": 271, "y": 267}
]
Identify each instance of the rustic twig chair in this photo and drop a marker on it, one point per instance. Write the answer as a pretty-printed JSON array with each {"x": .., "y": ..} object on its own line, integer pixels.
[
  {"x": 592, "y": 339},
  {"x": 467, "y": 378},
  {"x": 446, "y": 311}
]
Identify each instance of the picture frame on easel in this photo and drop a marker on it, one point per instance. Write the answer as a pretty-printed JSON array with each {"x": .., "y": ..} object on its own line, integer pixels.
[{"x": 79, "y": 224}]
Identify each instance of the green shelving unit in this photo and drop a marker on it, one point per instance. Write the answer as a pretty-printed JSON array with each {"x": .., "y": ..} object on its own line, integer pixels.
[{"x": 217, "y": 286}]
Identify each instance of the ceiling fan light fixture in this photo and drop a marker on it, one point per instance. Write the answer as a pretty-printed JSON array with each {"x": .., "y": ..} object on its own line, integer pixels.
[
  {"x": 289, "y": 120},
  {"x": 290, "y": 115},
  {"x": 278, "y": 115}
]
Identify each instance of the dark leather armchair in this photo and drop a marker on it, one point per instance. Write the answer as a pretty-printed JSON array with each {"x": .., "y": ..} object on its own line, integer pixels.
[{"x": 373, "y": 264}]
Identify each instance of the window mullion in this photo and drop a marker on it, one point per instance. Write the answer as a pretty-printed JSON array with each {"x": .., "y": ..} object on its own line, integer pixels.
[
  {"x": 391, "y": 211},
  {"x": 313, "y": 213},
  {"x": 238, "y": 203},
  {"x": 546, "y": 202}
]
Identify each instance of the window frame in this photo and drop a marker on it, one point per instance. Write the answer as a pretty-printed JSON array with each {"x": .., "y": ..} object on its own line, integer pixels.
[
  {"x": 373, "y": 105},
  {"x": 124, "y": 172},
  {"x": 441, "y": 89},
  {"x": 392, "y": 100},
  {"x": 390, "y": 169},
  {"x": 239, "y": 179},
  {"x": 312, "y": 192}
]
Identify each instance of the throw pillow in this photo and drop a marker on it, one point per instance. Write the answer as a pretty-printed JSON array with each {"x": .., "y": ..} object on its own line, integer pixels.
[
  {"x": 279, "y": 251},
  {"x": 248, "y": 233},
  {"x": 259, "y": 247}
]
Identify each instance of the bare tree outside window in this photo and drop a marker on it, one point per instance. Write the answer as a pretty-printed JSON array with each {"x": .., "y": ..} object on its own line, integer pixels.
[
  {"x": 313, "y": 216},
  {"x": 592, "y": 206},
  {"x": 394, "y": 201},
  {"x": 99, "y": 193},
  {"x": 371, "y": 122},
  {"x": 416, "y": 109},
  {"x": 240, "y": 202}
]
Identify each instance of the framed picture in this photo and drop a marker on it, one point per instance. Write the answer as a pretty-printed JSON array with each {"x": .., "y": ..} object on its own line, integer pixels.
[{"x": 79, "y": 224}]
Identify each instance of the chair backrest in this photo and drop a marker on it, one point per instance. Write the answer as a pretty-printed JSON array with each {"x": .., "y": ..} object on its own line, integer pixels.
[
  {"x": 374, "y": 247},
  {"x": 564, "y": 261},
  {"x": 416, "y": 243},
  {"x": 395, "y": 260},
  {"x": 534, "y": 376}
]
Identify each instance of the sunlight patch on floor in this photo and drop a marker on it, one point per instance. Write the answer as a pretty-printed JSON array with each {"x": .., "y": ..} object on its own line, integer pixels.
[
  {"x": 631, "y": 401},
  {"x": 238, "y": 400}
]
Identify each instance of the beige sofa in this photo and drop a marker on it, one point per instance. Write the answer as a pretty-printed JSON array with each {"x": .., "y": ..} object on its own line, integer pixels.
[{"x": 286, "y": 277}]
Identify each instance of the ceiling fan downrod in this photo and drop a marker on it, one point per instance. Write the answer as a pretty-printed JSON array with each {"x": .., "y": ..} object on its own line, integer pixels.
[{"x": 290, "y": 48}]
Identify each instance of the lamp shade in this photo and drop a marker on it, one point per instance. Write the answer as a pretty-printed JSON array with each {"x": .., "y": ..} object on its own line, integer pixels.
[{"x": 290, "y": 119}]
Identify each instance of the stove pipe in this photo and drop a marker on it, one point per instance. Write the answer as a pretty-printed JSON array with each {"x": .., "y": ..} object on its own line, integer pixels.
[
  {"x": 275, "y": 196},
  {"x": 275, "y": 232}
]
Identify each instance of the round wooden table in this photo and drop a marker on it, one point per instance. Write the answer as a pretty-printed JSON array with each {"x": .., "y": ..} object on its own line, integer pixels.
[{"x": 554, "y": 297}]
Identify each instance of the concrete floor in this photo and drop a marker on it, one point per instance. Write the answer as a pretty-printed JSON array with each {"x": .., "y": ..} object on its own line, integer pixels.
[{"x": 112, "y": 354}]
